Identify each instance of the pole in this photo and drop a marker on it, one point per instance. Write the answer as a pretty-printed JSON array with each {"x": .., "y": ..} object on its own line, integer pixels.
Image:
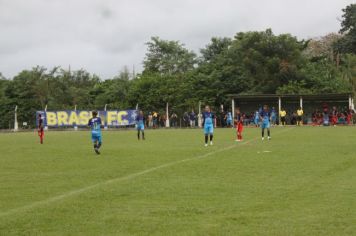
[
  {"x": 75, "y": 110},
  {"x": 233, "y": 108},
  {"x": 301, "y": 102},
  {"x": 167, "y": 116},
  {"x": 16, "y": 125},
  {"x": 106, "y": 123},
  {"x": 45, "y": 114}
]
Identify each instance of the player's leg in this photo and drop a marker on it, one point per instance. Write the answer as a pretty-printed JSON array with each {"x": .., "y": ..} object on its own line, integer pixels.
[
  {"x": 240, "y": 131},
  {"x": 41, "y": 136},
  {"x": 211, "y": 131},
  {"x": 99, "y": 141},
  {"x": 138, "y": 133},
  {"x": 98, "y": 145},
  {"x": 263, "y": 126},
  {"x": 143, "y": 132},
  {"x": 206, "y": 135},
  {"x": 237, "y": 133},
  {"x": 95, "y": 139}
]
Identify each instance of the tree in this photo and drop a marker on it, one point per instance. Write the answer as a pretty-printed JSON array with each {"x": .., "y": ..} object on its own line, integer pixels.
[
  {"x": 168, "y": 57},
  {"x": 347, "y": 44}
]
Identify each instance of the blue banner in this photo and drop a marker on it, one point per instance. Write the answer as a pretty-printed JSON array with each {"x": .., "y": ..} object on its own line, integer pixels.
[{"x": 113, "y": 118}]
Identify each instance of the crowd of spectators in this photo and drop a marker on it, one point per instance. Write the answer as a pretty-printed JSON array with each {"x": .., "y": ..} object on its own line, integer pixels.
[{"x": 323, "y": 116}]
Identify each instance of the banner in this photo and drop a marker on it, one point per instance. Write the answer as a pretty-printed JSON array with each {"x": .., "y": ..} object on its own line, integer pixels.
[{"x": 112, "y": 118}]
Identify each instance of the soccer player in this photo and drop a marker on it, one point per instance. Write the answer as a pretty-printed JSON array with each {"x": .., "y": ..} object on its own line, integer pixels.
[
  {"x": 265, "y": 116},
  {"x": 40, "y": 128},
  {"x": 300, "y": 113},
  {"x": 239, "y": 125},
  {"x": 95, "y": 125},
  {"x": 140, "y": 125},
  {"x": 208, "y": 124}
]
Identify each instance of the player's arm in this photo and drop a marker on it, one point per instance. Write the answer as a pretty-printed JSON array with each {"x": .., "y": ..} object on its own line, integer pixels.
[{"x": 89, "y": 122}]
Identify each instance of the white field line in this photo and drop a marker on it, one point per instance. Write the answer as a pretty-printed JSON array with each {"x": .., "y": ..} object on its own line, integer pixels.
[{"x": 119, "y": 179}]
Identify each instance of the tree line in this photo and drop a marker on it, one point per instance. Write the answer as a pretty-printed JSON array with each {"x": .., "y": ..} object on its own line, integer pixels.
[{"x": 249, "y": 63}]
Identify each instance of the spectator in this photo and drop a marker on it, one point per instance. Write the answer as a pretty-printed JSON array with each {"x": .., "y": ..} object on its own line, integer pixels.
[
  {"x": 150, "y": 120},
  {"x": 174, "y": 120},
  {"x": 155, "y": 120},
  {"x": 186, "y": 119},
  {"x": 222, "y": 118},
  {"x": 162, "y": 120},
  {"x": 273, "y": 116},
  {"x": 334, "y": 116},
  {"x": 257, "y": 118},
  {"x": 349, "y": 116},
  {"x": 229, "y": 119},
  {"x": 353, "y": 117},
  {"x": 192, "y": 118},
  {"x": 293, "y": 120}
]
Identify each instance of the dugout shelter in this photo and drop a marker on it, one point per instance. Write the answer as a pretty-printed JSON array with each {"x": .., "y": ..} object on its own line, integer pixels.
[{"x": 291, "y": 102}]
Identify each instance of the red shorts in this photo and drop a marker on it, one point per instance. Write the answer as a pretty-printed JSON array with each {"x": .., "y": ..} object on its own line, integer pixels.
[
  {"x": 240, "y": 127},
  {"x": 41, "y": 133}
]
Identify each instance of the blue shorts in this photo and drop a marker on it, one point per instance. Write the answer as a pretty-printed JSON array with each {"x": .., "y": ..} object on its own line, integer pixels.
[
  {"x": 256, "y": 121},
  {"x": 209, "y": 129},
  {"x": 140, "y": 127},
  {"x": 229, "y": 122},
  {"x": 95, "y": 137},
  {"x": 265, "y": 125}
]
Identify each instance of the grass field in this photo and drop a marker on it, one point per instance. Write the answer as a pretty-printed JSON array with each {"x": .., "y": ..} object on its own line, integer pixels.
[{"x": 302, "y": 182}]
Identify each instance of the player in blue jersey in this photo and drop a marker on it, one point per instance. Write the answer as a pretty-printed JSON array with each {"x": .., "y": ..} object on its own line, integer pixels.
[
  {"x": 208, "y": 124},
  {"x": 265, "y": 116},
  {"x": 140, "y": 125},
  {"x": 95, "y": 125}
]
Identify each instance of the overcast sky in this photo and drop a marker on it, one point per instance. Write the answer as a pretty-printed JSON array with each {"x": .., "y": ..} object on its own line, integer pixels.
[{"x": 102, "y": 36}]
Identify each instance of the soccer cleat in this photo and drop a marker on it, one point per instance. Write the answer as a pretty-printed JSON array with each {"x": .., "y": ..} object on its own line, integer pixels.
[
  {"x": 263, "y": 138},
  {"x": 206, "y": 145},
  {"x": 211, "y": 143},
  {"x": 96, "y": 151},
  {"x": 269, "y": 138}
]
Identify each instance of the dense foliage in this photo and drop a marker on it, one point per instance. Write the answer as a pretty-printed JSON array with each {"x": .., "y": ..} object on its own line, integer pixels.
[{"x": 249, "y": 63}]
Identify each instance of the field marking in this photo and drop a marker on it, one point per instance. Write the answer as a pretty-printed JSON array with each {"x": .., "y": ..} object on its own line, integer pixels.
[{"x": 119, "y": 179}]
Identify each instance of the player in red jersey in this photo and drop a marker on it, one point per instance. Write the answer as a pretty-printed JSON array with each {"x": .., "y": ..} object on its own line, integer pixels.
[
  {"x": 239, "y": 125},
  {"x": 334, "y": 116},
  {"x": 40, "y": 128}
]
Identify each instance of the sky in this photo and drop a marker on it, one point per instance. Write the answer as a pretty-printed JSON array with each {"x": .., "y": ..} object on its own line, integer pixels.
[{"x": 103, "y": 36}]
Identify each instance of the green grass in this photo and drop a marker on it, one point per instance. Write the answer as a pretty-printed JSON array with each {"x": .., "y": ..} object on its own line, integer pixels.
[{"x": 302, "y": 182}]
